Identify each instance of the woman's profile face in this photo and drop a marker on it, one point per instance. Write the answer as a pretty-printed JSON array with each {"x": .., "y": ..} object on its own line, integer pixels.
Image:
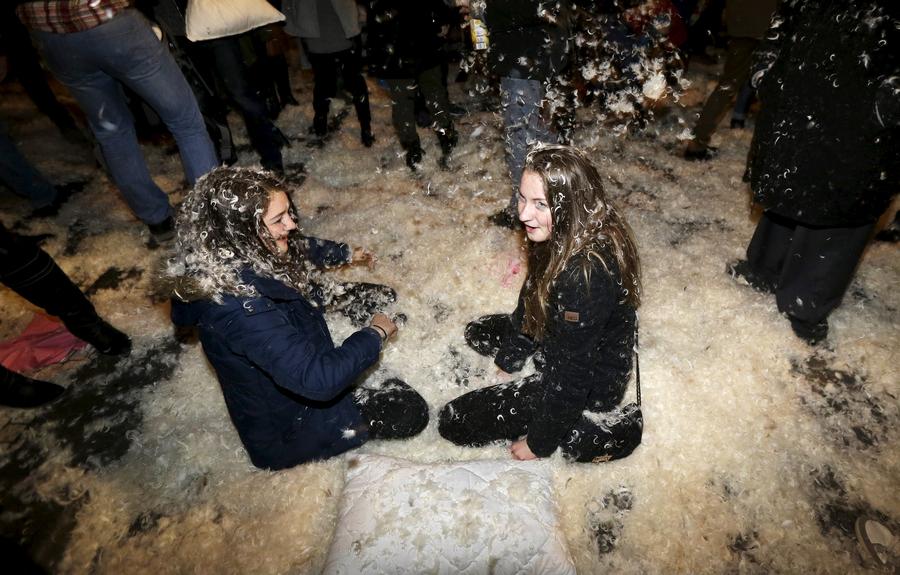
[
  {"x": 278, "y": 220},
  {"x": 534, "y": 210}
]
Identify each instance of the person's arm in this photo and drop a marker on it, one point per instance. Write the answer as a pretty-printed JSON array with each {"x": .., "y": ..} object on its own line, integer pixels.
[
  {"x": 296, "y": 360},
  {"x": 575, "y": 324},
  {"x": 327, "y": 253},
  {"x": 330, "y": 254}
]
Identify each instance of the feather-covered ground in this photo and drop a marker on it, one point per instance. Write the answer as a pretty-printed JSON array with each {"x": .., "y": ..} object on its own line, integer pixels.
[{"x": 759, "y": 452}]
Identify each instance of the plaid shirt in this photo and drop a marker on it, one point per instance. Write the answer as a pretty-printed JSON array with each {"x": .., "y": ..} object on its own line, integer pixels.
[{"x": 66, "y": 16}]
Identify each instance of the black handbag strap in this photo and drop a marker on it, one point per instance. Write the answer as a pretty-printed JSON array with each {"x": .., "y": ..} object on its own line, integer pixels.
[{"x": 637, "y": 363}]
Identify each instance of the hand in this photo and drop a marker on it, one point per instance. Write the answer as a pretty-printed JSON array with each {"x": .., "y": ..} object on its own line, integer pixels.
[
  {"x": 521, "y": 451},
  {"x": 502, "y": 376},
  {"x": 384, "y": 322},
  {"x": 363, "y": 256}
]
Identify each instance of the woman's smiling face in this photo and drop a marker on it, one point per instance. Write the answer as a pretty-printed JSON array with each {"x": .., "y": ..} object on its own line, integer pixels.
[
  {"x": 278, "y": 220},
  {"x": 534, "y": 210}
]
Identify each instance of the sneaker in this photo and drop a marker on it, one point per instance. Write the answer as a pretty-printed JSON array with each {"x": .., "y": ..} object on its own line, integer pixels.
[
  {"x": 505, "y": 218},
  {"x": 737, "y": 123},
  {"x": 877, "y": 544},
  {"x": 19, "y": 391},
  {"x": 741, "y": 270},
  {"x": 812, "y": 334},
  {"x": 105, "y": 338},
  {"x": 164, "y": 231}
]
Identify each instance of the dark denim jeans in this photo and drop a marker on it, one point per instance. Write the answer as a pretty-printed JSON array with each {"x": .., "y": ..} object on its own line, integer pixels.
[{"x": 93, "y": 64}]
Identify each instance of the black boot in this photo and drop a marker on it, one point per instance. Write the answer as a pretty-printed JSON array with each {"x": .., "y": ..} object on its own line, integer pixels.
[
  {"x": 448, "y": 139},
  {"x": 105, "y": 338},
  {"x": 366, "y": 137},
  {"x": 32, "y": 273},
  {"x": 414, "y": 155},
  {"x": 19, "y": 391},
  {"x": 812, "y": 333}
]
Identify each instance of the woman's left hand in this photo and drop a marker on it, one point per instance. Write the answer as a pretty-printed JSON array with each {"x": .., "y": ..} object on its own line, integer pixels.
[
  {"x": 521, "y": 451},
  {"x": 361, "y": 255}
]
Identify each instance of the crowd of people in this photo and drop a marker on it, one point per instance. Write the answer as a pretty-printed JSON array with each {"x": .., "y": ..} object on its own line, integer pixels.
[{"x": 823, "y": 164}]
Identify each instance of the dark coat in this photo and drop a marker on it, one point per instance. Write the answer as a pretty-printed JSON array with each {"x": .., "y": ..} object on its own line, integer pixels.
[
  {"x": 403, "y": 36},
  {"x": 587, "y": 347},
  {"x": 286, "y": 385},
  {"x": 524, "y": 42},
  {"x": 825, "y": 150}
]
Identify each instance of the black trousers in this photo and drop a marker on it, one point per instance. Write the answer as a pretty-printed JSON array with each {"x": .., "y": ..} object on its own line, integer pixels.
[
  {"x": 225, "y": 55},
  {"x": 503, "y": 412},
  {"x": 809, "y": 267},
  {"x": 735, "y": 75},
  {"x": 403, "y": 105},
  {"x": 326, "y": 68},
  {"x": 31, "y": 272}
]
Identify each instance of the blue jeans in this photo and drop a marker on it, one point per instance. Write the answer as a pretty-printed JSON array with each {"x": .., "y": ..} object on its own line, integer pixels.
[
  {"x": 524, "y": 125},
  {"x": 92, "y": 64},
  {"x": 17, "y": 173}
]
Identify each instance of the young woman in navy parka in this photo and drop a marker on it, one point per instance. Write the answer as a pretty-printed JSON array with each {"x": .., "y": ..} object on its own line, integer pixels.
[{"x": 246, "y": 278}]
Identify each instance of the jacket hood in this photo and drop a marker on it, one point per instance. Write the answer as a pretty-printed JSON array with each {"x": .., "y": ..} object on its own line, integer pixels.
[{"x": 189, "y": 303}]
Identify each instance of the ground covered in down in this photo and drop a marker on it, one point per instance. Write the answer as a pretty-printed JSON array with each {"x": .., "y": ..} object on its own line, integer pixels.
[{"x": 759, "y": 452}]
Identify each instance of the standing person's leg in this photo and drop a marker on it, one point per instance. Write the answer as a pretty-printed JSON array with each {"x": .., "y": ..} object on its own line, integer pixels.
[
  {"x": 264, "y": 136},
  {"x": 324, "y": 88},
  {"x": 435, "y": 94},
  {"x": 816, "y": 274},
  {"x": 350, "y": 63},
  {"x": 742, "y": 106},
  {"x": 17, "y": 173},
  {"x": 403, "y": 95},
  {"x": 735, "y": 74},
  {"x": 73, "y": 59},
  {"x": 495, "y": 413},
  {"x": 523, "y": 125},
  {"x": 31, "y": 272},
  {"x": 766, "y": 253},
  {"x": 144, "y": 64}
]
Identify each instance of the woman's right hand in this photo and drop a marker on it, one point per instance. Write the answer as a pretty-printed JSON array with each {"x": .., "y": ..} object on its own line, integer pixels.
[{"x": 384, "y": 323}]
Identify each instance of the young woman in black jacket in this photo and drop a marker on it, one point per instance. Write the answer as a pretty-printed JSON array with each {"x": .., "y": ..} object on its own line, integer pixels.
[{"x": 576, "y": 313}]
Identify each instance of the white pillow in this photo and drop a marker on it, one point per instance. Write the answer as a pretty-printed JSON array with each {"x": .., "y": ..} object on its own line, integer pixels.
[
  {"x": 209, "y": 19},
  {"x": 466, "y": 518}
]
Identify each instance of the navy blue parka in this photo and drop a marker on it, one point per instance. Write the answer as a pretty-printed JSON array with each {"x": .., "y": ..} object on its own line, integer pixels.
[{"x": 286, "y": 385}]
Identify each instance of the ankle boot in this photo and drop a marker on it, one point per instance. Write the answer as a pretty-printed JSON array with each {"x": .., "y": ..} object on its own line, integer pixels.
[
  {"x": 19, "y": 391},
  {"x": 448, "y": 139},
  {"x": 414, "y": 155},
  {"x": 105, "y": 338},
  {"x": 366, "y": 137}
]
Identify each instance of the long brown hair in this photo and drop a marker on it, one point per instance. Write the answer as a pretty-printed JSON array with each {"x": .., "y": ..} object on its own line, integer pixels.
[
  {"x": 220, "y": 232},
  {"x": 584, "y": 222}
]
